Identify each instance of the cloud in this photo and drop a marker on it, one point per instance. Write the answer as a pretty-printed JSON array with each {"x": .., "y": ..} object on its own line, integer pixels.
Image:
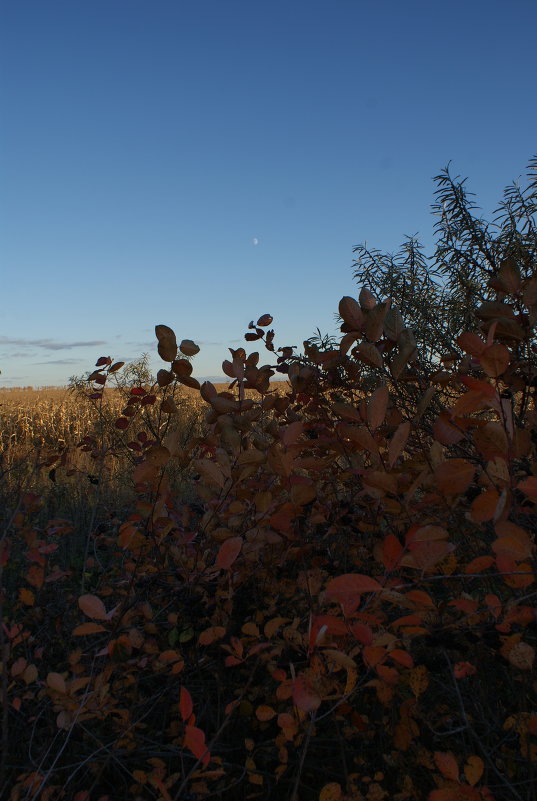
[
  {"x": 205, "y": 342},
  {"x": 49, "y": 344},
  {"x": 61, "y": 361}
]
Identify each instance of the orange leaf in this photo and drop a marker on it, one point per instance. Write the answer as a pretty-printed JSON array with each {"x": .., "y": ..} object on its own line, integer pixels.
[
  {"x": 483, "y": 507},
  {"x": 388, "y": 674},
  {"x": 373, "y": 655},
  {"x": 56, "y": 682},
  {"x": 491, "y": 441},
  {"x": 195, "y": 742},
  {"x": 26, "y": 596},
  {"x": 529, "y": 487},
  {"x": 427, "y": 533},
  {"x": 376, "y": 407},
  {"x": 35, "y": 576},
  {"x": 473, "y": 770},
  {"x": 418, "y": 680},
  {"x": 229, "y": 550},
  {"x": 88, "y": 628},
  {"x": 495, "y": 360},
  {"x": 401, "y": 657},
  {"x": 264, "y": 712},
  {"x": 211, "y": 634},
  {"x": 479, "y": 564},
  {"x": 92, "y": 607},
  {"x": 186, "y": 707},
  {"x": 512, "y": 541},
  {"x": 470, "y": 402},
  {"x": 398, "y": 442},
  {"x": 447, "y": 765},
  {"x": 18, "y": 666},
  {"x": 331, "y": 792},
  {"x": 454, "y": 476}
]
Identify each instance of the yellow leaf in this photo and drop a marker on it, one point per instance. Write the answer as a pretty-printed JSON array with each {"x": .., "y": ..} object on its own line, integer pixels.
[
  {"x": 522, "y": 656},
  {"x": 473, "y": 770},
  {"x": 330, "y": 792},
  {"x": 30, "y": 674},
  {"x": 56, "y": 682},
  {"x": 26, "y": 596},
  {"x": 418, "y": 680}
]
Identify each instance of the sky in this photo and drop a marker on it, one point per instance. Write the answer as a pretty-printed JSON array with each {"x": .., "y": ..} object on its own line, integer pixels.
[{"x": 199, "y": 163}]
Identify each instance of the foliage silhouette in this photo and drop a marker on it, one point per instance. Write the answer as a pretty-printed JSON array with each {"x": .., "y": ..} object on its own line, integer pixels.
[{"x": 346, "y": 613}]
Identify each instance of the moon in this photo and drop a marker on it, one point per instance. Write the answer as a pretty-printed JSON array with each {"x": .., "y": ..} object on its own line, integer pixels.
[{"x": 255, "y": 240}]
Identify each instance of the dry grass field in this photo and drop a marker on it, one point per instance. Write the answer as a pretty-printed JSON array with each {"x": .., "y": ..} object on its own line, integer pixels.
[
  {"x": 40, "y": 435},
  {"x": 42, "y": 418}
]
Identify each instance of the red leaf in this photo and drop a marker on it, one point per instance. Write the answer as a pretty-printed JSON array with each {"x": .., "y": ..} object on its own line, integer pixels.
[
  {"x": 195, "y": 742},
  {"x": 229, "y": 550},
  {"x": 463, "y": 669},
  {"x": 471, "y": 344},
  {"x": 363, "y": 633},
  {"x": 186, "y": 707},
  {"x": 350, "y": 584},
  {"x": 447, "y": 765},
  {"x": 92, "y": 607},
  {"x": 373, "y": 655},
  {"x": 346, "y": 589},
  {"x": 444, "y": 432},
  {"x": 391, "y": 551},
  {"x": 483, "y": 507},
  {"x": 454, "y": 476},
  {"x": 304, "y": 697}
]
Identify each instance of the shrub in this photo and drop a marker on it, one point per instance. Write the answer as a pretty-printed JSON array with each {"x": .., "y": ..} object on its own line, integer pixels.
[{"x": 346, "y": 611}]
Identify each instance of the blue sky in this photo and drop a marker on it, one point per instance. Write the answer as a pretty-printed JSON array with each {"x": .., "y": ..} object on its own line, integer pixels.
[{"x": 201, "y": 162}]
